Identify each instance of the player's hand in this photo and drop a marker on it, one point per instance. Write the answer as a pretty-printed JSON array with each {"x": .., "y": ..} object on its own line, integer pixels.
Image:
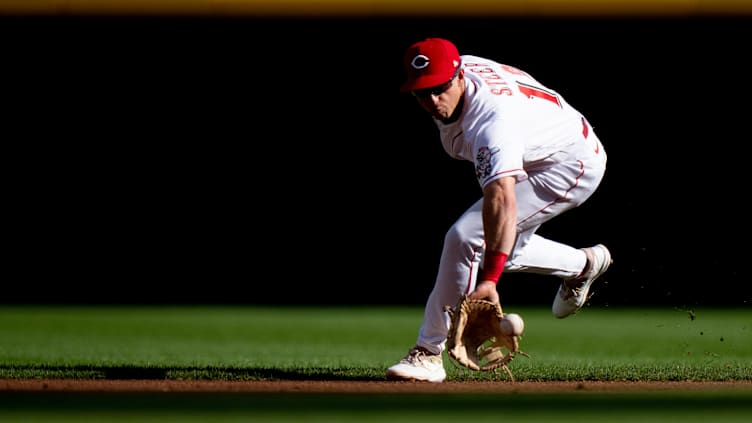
[{"x": 485, "y": 291}]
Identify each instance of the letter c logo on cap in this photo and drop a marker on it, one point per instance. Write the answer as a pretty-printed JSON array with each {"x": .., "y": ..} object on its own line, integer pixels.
[{"x": 420, "y": 62}]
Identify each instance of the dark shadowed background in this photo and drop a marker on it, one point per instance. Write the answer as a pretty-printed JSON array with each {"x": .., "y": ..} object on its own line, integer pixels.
[{"x": 274, "y": 161}]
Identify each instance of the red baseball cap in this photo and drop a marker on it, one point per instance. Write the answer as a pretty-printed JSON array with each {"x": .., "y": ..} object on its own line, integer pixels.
[{"x": 429, "y": 63}]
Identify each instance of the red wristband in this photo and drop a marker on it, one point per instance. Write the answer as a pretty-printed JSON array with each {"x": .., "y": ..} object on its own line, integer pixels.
[{"x": 493, "y": 265}]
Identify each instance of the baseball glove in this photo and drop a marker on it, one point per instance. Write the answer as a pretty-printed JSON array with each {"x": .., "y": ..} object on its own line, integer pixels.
[{"x": 475, "y": 339}]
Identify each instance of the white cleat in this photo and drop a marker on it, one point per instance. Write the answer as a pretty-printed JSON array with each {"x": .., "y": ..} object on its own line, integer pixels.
[
  {"x": 418, "y": 364},
  {"x": 574, "y": 292}
]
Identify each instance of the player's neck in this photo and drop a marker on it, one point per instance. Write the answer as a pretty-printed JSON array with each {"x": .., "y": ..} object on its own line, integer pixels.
[{"x": 457, "y": 111}]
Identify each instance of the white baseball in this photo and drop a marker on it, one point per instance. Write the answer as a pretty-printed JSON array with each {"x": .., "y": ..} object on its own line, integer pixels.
[{"x": 512, "y": 324}]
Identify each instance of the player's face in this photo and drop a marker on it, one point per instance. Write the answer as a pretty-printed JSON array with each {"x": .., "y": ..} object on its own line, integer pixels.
[{"x": 441, "y": 101}]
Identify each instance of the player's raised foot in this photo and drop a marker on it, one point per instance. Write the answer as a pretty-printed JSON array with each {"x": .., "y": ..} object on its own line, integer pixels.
[
  {"x": 574, "y": 292},
  {"x": 418, "y": 364}
]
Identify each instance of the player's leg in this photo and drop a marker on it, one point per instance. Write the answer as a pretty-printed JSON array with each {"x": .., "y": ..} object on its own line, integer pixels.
[
  {"x": 460, "y": 259},
  {"x": 542, "y": 197}
]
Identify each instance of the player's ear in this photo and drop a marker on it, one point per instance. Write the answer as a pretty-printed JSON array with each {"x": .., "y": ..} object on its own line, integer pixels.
[{"x": 461, "y": 75}]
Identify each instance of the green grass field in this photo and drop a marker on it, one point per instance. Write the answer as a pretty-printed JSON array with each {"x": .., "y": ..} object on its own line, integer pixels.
[{"x": 358, "y": 343}]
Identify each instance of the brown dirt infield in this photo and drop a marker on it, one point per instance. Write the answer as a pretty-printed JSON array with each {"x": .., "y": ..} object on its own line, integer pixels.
[{"x": 77, "y": 385}]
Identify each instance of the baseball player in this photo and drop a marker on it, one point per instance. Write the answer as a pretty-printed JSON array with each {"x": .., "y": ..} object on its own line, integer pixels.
[{"x": 535, "y": 157}]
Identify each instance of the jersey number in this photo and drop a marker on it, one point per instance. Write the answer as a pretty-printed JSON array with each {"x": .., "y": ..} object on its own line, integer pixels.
[{"x": 531, "y": 91}]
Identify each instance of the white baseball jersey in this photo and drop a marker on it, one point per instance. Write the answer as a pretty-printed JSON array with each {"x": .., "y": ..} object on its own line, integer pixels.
[{"x": 510, "y": 123}]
